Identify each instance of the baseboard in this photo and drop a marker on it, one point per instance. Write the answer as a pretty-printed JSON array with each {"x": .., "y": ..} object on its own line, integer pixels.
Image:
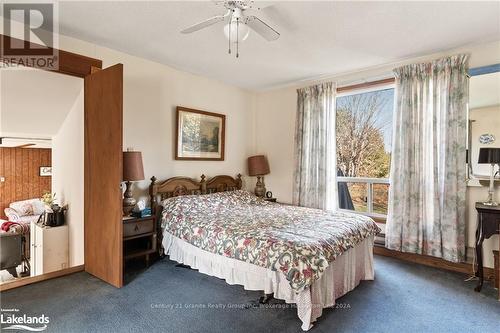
[
  {"x": 33, "y": 279},
  {"x": 466, "y": 268}
]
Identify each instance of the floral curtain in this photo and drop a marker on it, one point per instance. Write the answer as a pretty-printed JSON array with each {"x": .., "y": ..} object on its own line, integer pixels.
[
  {"x": 427, "y": 193},
  {"x": 314, "y": 177}
]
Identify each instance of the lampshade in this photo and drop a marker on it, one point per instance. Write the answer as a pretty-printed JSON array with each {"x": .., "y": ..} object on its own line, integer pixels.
[
  {"x": 238, "y": 31},
  {"x": 258, "y": 166},
  {"x": 489, "y": 155},
  {"x": 132, "y": 166}
]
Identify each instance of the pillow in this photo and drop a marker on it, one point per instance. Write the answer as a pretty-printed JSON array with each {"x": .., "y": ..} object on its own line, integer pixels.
[
  {"x": 28, "y": 207},
  {"x": 241, "y": 197},
  {"x": 11, "y": 214}
]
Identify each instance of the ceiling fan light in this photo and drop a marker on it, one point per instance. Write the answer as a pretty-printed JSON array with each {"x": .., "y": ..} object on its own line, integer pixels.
[{"x": 235, "y": 30}]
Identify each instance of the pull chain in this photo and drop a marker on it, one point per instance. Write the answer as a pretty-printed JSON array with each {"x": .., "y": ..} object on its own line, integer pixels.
[
  {"x": 230, "y": 35},
  {"x": 237, "y": 37}
]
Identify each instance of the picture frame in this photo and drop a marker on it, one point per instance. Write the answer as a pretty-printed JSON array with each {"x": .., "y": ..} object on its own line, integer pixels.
[
  {"x": 45, "y": 171},
  {"x": 199, "y": 135}
]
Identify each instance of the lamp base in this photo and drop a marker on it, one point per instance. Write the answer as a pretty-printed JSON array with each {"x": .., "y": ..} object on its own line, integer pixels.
[
  {"x": 491, "y": 189},
  {"x": 260, "y": 187},
  {"x": 128, "y": 200}
]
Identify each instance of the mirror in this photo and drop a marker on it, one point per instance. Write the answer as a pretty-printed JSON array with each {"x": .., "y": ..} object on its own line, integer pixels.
[
  {"x": 484, "y": 118},
  {"x": 41, "y": 165}
]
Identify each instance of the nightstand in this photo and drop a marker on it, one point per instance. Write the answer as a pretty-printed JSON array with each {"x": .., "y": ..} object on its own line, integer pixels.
[
  {"x": 139, "y": 237},
  {"x": 487, "y": 226},
  {"x": 270, "y": 199}
]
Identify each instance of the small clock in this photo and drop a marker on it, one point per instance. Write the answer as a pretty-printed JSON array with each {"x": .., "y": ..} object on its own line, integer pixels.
[{"x": 269, "y": 194}]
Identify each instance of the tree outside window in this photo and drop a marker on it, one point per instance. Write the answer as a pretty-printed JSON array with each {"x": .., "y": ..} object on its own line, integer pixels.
[{"x": 364, "y": 137}]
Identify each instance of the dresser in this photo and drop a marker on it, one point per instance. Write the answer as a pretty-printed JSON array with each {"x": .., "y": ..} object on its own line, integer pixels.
[
  {"x": 139, "y": 237},
  {"x": 49, "y": 248},
  {"x": 488, "y": 224}
]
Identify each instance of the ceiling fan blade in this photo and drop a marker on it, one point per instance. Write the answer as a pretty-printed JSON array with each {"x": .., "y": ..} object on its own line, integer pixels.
[
  {"x": 262, "y": 28},
  {"x": 204, "y": 24},
  {"x": 24, "y": 145}
]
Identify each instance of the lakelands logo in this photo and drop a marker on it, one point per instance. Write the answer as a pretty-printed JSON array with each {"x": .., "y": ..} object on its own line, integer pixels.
[
  {"x": 31, "y": 38},
  {"x": 11, "y": 319}
]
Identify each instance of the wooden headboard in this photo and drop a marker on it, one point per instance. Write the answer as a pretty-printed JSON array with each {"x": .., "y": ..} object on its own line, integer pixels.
[{"x": 176, "y": 186}]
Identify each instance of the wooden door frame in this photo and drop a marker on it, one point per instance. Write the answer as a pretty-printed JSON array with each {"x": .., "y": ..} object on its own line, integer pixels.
[
  {"x": 69, "y": 63},
  {"x": 76, "y": 65}
]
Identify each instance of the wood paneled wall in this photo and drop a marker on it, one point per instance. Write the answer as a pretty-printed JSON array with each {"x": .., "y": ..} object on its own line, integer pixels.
[{"x": 20, "y": 168}]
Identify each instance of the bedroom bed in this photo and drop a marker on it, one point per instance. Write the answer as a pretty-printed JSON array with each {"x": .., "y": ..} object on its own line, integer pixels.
[{"x": 303, "y": 256}]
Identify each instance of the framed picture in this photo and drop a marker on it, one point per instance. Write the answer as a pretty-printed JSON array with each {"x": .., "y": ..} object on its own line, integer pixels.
[
  {"x": 45, "y": 171},
  {"x": 199, "y": 135}
]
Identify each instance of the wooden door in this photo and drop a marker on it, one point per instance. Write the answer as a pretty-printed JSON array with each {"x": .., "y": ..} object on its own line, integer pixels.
[{"x": 103, "y": 174}]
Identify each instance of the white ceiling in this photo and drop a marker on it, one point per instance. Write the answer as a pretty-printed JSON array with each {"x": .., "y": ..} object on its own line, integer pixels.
[
  {"x": 317, "y": 37},
  {"x": 484, "y": 90},
  {"x": 34, "y": 103}
]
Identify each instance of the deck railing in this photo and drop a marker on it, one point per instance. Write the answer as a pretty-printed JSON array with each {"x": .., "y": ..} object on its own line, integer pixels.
[{"x": 369, "y": 191}]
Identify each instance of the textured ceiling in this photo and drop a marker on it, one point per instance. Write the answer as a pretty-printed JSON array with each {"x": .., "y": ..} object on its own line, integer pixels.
[{"x": 317, "y": 37}]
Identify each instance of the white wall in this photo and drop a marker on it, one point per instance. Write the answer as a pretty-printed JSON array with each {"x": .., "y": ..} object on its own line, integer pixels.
[
  {"x": 51, "y": 95},
  {"x": 275, "y": 124},
  {"x": 67, "y": 176},
  {"x": 151, "y": 93}
]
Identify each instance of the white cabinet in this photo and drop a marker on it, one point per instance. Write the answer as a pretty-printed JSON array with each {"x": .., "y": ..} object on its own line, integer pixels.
[{"x": 49, "y": 248}]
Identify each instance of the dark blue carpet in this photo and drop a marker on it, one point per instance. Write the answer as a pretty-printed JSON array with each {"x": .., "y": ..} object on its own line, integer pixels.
[{"x": 404, "y": 298}]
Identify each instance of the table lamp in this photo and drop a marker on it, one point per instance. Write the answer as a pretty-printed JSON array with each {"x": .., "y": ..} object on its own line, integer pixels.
[
  {"x": 258, "y": 166},
  {"x": 490, "y": 156},
  {"x": 132, "y": 171}
]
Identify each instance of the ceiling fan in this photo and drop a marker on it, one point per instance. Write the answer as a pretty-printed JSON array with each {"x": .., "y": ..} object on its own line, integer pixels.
[
  {"x": 22, "y": 142},
  {"x": 238, "y": 23}
]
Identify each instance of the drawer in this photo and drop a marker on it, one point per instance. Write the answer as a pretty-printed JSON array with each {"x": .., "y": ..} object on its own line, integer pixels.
[{"x": 137, "y": 228}]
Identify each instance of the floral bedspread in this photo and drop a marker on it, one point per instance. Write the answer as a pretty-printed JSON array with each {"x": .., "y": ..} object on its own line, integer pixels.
[{"x": 298, "y": 241}]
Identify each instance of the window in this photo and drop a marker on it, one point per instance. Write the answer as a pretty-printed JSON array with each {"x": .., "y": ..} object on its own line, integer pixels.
[{"x": 363, "y": 137}]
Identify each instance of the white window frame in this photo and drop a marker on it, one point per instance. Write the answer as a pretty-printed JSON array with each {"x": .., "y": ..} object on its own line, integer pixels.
[{"x": 368, "y": 181}]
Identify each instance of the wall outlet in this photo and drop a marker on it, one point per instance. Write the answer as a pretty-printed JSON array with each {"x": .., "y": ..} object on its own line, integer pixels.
[{"x": 2, "y": 179}]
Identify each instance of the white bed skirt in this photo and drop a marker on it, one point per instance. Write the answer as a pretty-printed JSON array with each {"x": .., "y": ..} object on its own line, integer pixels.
[{"x": 342, "y": 276}]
